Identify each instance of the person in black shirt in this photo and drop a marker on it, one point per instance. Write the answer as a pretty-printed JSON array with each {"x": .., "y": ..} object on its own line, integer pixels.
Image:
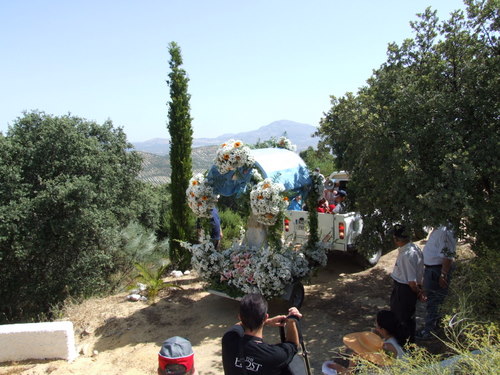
[{"x": 243, "y": 348}]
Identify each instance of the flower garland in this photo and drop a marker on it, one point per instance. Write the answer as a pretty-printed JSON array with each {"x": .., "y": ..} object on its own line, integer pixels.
[
  {"x": 265, "y": 270},
  {"x": 232, "y": 155},
  {"x": 200, "y": 196},
  {"x": 266, "y": 201}
]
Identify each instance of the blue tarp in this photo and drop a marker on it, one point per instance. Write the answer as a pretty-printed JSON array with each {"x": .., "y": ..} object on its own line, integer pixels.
[{"x": 281, "y": 165}]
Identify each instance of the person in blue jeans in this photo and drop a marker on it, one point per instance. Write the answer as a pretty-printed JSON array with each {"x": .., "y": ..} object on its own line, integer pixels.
[
  {"x": 215, "y": 228},
  {"x": 439, "y": 252}
]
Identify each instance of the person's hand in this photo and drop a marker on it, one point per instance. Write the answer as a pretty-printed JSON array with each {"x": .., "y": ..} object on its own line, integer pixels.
[
  {"x": 295, "y": 312},
  {"x": 443, "y": 282},
  {"x": 422, "y": 297},
  {"x": 339, "y": 368},
  {"x": 276, "y": 321}
]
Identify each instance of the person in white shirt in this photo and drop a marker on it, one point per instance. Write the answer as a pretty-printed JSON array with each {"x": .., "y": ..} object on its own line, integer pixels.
[
  {"x": 339, "y": 202},
  {"x": 387, "y": 328},
  {"x": 408, "y": 276},
  {"x": 439, "y": 252}
]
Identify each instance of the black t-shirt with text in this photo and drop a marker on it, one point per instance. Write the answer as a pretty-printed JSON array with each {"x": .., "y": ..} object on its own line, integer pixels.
[{"x": 259, "y": 358}]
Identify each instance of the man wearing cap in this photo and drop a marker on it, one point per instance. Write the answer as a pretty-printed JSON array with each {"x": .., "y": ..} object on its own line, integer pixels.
[
  {"x": 407, "y": 276},
  {"x": 176, "y": 357},
  {"x": 243, "y": 348},
  {"x": 439, "y": 252},
  {"x": 339, "y": 202}
]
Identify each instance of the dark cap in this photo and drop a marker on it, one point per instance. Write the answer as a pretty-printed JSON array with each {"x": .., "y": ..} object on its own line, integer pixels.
[
  {"x": 400, "y": 231},
  {"x": 341, "y": 193}
]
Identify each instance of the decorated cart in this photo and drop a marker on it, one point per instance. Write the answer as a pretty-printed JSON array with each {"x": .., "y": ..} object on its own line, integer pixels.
[{"x": 260, "y": 261}]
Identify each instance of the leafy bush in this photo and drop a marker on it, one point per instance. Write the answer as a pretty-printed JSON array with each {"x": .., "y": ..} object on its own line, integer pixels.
[
  {"x": 232, "y": 224},
  {"x": 68, "y": 186},
  {"x": 475, "y": 288},
  {"x": 137, "y": 245}
]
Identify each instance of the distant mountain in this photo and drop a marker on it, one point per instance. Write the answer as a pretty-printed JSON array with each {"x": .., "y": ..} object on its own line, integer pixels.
[
  {"x": 300, "y": 135},
  {"x": 158, "y": 146}
]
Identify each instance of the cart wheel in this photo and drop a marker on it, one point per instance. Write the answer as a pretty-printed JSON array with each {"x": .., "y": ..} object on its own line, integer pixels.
[
  {"x": 297, "y": 295},
  {"x": 370, "y": 260}
]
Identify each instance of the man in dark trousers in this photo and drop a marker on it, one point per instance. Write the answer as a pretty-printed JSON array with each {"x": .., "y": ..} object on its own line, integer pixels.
[
  {"x": 408, "y": 277},
  {"x": 439, "y": 252},
  {"x": 243, "y": 348}
]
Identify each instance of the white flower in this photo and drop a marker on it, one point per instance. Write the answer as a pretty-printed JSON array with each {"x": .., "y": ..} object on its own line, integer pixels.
[
  {"x": 200, "y": 196},
  {"x": 266, "y": 201},
  {"x": 233, "y": 155},
  {"x": 284, "y": 142},
  {"x": 265, "y": 270}
]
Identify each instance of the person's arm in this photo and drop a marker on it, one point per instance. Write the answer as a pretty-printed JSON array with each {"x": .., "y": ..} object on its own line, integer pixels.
[
  {"x": 292, "y": 334},
  {"x": 416, "y": 288},
  {"x": 448, "y": 252},
  {"x": 341, "y": 370},
  {"x": 445, "y": 269},
  {"x": 390, "y": 348},
  {"x": 275, "y": 321}
]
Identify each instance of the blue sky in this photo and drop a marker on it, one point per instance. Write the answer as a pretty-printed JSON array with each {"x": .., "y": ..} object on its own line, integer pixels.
[{"x": 249, "y": 62}]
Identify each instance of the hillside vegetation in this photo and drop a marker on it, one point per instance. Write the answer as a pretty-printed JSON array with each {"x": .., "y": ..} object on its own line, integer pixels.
[{"x": 155, "y": 169}]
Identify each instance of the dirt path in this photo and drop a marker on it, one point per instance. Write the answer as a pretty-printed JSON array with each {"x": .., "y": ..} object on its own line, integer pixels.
[{"x": 116, "y": 337}]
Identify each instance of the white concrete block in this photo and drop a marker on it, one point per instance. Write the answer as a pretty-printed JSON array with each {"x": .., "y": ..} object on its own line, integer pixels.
[{"x": 50, "y": 340}]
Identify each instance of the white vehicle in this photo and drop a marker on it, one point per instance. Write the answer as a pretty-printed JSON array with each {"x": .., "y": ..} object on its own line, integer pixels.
[{"x": 337, "y": 232}]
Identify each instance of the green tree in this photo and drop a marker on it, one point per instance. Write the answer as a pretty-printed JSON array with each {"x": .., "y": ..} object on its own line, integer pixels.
[
  {"x": 321, "y": 158},
  {"x": 421, "y": 139},
  {"x": 68, "y": 185},
  {"x": 181, "y": 138}
]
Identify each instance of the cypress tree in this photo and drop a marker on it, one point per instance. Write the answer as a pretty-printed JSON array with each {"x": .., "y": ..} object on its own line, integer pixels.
[{"x": 181, "y": 138}]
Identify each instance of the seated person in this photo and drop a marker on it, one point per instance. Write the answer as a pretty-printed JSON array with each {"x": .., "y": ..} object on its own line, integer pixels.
[
  {"x": 322, "y": 206},
  {"x": 176, "y": 357},
  {"x": 387, "y": 328}
]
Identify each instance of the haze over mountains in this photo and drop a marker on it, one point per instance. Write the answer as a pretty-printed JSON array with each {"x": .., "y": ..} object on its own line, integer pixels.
[{"x": 300, "y": 135}]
